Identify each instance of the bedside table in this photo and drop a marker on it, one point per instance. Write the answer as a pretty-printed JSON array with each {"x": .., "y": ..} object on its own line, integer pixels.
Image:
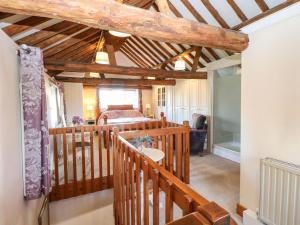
[{"x": 150, "y": 116}]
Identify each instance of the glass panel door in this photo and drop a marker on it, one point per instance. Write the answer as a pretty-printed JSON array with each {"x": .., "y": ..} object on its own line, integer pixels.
[{"x": 227, "y": 108}]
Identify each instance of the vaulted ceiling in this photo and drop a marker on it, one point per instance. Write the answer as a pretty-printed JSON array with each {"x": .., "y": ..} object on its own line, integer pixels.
[{"x": 68, "y": 41}]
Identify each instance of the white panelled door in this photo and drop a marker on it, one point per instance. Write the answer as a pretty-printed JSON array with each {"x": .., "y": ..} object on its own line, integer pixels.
[
  {"x": 181, "y": 94},
  {"x": 182, "y": 100}
]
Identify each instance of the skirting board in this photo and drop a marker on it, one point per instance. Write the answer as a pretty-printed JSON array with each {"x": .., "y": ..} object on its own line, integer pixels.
[{"x": 226, "y": 153}]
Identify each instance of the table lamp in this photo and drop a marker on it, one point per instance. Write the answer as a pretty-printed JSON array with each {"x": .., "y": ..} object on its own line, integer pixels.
[{"x": 148, "y": 106}]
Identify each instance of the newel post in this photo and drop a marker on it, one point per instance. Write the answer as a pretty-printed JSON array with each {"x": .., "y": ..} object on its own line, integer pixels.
[
  {"x": 105, "y": 119},
  {"x": 215, "y": 213},
  {"x": 163, "y": 120}
]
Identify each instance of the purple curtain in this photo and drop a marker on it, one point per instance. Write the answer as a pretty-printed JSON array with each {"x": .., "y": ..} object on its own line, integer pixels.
[{"x": 35, "y": 133}]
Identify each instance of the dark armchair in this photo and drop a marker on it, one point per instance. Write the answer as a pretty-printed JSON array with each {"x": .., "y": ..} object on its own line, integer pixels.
[{"x": 198, "y": 134}]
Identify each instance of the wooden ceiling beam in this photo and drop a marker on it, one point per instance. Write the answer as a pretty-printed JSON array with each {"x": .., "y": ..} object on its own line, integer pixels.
[
  {"x": 60, "y": 36},
  {"x": 143, "y": 49},
  {"x": 196, "y": 59},
  {"x": 111, "y": 54},
  {"x": 262, "y": 5},
  {"x": 184, "y": 57},
  {"x": 125, "y": 86},
  {"x": 135, "y": 61},
  {"x": 237, "y": 10},
  {"x": 144, "y": 23},
  {"x": 215, "y": 14},
  {"x": 174, "y": 58},
  {"x": 193, "y": 11},
  {"x": 163, "y": 7},
  {"x": 134, "y": 55},
  {"x": 193, "y": 57},
  {"x": 121, "y": 70},
  {"x": 265, "y": 14},
  {"x": 206, "y": 59},
  {"x": 148, "y": 5},
  {"x": 24, "y": 25},
  {"x": 5, "y": 15},
  {"x": 77, "y": 48},
  {"x": 152, "y": 51},
  {"x": 131, "y": 58},
  {"x": 213, "y": 53},
  {"x": 138, "y": 52},
  {"x": 115, "y": 81},
  {"x": 46, "y": 33},
  {"x": 156, "y": 48},
  {"x": 85, "y": 53},
  {"x": 198, "y": 17},
  {"x": 70, "y": 41}
]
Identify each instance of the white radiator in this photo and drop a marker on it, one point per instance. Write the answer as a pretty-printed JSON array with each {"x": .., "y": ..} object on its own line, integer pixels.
[{"x": 279, "y": 193}]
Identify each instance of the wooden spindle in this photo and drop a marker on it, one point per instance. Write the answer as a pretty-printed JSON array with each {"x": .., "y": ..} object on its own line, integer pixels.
[
  {"x": 117, "y": 183},
  {"x": 74, "y": 154},
  {"x": 179, "y": 155},
  {"x": 65, "y": 162},
  {"x": 83, "y": 160},
  {"x": 100, "y": 154},
  {"x": 108, "y": 153},
  {"x": 155, "y": 142},
  {"x": 92, "y": 157},
  {"x": 169, "y": 202},
  {"x": 123, "y": 187},
  {"x": 55, "y": 154},
  {"x": 187, "y": 153},
  {"x": 171, "y": 153},
  {"x": 132, "y": 192},
  {"x": 163, "y": 143},
  {"x": 155, "y": 179},
  {"x": 138, "y": 189},
  {"x": 127, "y": 185},
  {"x": 146, "y": 193}
]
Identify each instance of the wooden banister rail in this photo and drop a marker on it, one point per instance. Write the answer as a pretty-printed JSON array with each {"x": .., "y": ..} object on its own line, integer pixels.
[
  {"x": 194, "y": 218},
  {"x": 174, "y": 142},
  {"x": 133, "y": 172},
  {"x": 82, "y": 157}
]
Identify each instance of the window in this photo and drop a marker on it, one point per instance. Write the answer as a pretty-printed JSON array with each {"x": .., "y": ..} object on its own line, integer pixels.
[
  {"x": 118, "y": 97},
  {"x": 161, "y": 96}
]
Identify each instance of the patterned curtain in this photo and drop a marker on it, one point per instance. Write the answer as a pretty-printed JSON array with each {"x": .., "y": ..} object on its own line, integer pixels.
[{"x": 35, "y": 131}]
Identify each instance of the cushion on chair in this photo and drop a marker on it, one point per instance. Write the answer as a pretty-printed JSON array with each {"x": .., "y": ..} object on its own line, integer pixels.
[{"x": 200, "y": 123}]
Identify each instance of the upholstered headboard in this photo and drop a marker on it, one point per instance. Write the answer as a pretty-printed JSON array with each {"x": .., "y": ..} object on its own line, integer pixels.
[{"x": 119, "y": 107}]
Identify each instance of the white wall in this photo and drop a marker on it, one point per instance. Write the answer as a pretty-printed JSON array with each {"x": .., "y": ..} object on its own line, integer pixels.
[
  {"x": 13, "y": 209},
  {"x": 74, "y": 100},
  {"x": 270, "y": 117}
]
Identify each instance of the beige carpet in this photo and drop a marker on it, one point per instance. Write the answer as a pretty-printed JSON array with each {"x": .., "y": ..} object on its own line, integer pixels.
[{"x": 217, "y": 179}]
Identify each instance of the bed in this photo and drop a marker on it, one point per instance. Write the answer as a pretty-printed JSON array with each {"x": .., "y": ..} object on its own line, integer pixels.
[{"x": 117, "y": 114}]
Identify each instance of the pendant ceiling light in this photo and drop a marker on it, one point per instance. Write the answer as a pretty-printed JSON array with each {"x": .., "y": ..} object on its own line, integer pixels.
[
  {"x": 179, "y": 65},
  {"x": 118, "y": 34},
  {"x": 102, "y": 57}
]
